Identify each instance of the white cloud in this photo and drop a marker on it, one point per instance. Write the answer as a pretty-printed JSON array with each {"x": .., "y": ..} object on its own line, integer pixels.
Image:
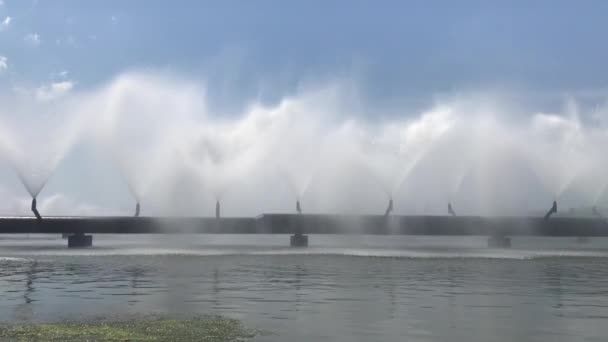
[
  {"x": 59, "y": 75},
  {"x": 46, "y": 92},
  {"x": 32, "y": 39},
  {"x": 5, "y": 23},
  {"x": 3, "y": 64},
  {"x": 54, "y": 90}
]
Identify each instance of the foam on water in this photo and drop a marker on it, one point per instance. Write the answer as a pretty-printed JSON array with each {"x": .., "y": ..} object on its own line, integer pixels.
[
  {"x": 14, "y": 250},
  {"x": 13, "y": 259},
  {"x": 415, "y": 247}
]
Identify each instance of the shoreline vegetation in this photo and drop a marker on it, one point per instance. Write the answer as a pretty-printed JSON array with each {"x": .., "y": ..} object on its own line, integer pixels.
[{"x": 146, "y": 329}]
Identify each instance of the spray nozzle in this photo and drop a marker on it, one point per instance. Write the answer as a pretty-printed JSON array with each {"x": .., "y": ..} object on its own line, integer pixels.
[{"x": 35, "y": 210}]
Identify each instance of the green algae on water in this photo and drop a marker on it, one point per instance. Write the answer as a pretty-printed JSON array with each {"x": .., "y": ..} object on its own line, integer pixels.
[{"x": 204, "y": 329}]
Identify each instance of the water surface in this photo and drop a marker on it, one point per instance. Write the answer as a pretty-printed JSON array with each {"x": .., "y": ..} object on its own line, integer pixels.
[{"x": 342, "y": 288}]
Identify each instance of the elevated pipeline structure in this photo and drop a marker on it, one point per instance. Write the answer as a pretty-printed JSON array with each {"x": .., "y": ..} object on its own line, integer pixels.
[{"x": 301, "y": 224}]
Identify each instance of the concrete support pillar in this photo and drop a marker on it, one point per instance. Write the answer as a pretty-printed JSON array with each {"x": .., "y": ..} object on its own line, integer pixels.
[
  {"x": 80, "y": 240},
  {"x": 499, "y": 241},
  {"x": 298, "y": 240}
]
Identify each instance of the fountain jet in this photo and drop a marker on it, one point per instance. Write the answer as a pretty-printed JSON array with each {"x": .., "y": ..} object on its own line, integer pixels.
[
  {"x": 389, "y": 209},
  {"x": 34, "y": 210},
  {"x": 451, "y": 209},
  {"x": 137, "y": 209},
  {"x": 217, "y": 209},
  {"x": 551, "y": 211},
  {"x": 298, "y": 207}
]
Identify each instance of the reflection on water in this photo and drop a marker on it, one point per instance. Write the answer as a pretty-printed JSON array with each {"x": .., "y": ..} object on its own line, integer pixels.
[{"x": 343, "y": 289}]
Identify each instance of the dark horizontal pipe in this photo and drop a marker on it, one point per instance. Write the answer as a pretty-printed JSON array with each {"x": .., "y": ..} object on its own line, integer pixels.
[{"x": 312, "y": 224}]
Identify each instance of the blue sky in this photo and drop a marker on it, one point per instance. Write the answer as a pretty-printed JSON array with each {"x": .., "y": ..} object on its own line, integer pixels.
[{"x": 397, "y": 50}]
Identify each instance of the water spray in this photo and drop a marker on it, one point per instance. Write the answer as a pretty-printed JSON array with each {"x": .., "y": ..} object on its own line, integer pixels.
[
  {"x": 217, "y": 209},
  {"x": 551, "y": 211},
  {"x": 595, "y": 212},
  {"x": 389, "y": 209},
  {"x": 298, "y": 207},
  {"x": 451, "y": 209},
  {"x": 34, "y": 210},
  {"x": 137, "y": 209}
]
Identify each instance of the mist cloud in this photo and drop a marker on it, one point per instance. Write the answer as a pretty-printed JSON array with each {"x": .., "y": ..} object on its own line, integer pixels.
[{"x": 319, "y": 146}]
